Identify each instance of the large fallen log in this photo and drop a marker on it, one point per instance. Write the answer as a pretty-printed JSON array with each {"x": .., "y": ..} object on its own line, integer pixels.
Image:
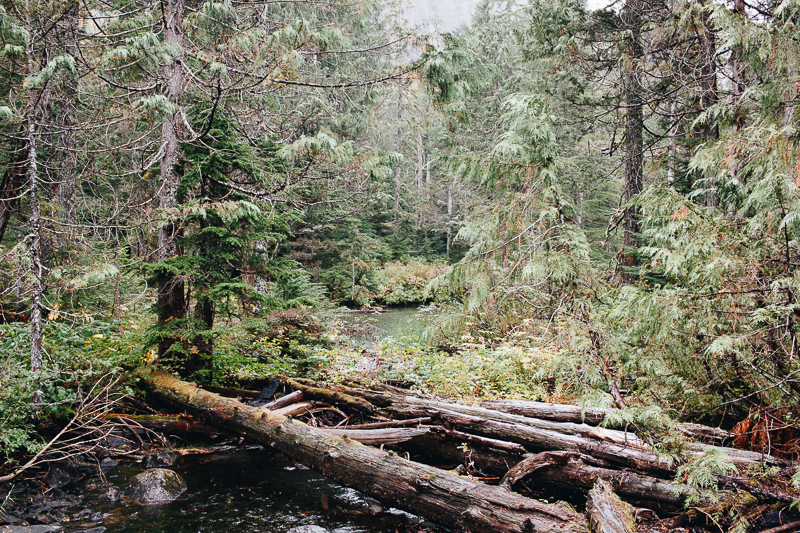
[
  {"x": 376, "y": 437},
  {"x": 622, "y": 448},
  {"x": 427, "y": 491},
  {"x": 575, "y": 473},
  {"x": 593, "y": 416},
  {"x": 165, "y": 423}
]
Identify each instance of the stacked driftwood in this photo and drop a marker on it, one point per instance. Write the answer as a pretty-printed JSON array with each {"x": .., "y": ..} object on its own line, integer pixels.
[{"x": 505, "y": 452}]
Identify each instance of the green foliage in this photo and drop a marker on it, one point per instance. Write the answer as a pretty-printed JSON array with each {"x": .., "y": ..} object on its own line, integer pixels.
[
  {"x": 80, "y": 356},
  {"x": 404, "y": 283},
  {"x": 290, "y": 343},
  {"x": 701, "y": 474}
]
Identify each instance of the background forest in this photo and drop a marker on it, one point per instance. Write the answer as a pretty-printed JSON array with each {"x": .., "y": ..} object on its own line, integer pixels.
[{"x": 599, "y": 206}]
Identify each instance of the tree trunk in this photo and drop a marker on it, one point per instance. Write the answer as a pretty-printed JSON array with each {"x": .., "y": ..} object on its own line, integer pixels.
[
  {"x": 11, "y": 184},
  {"x": 65, "y": 151},
  {"x": 397, "y": 165},
  {"x": 449, "y": 499},
  {"x": 709, "y": 93},
  {"x": 204, "y": 340},
  {"x": 634, "y": 123},
  {"x": 171, "y": 299},
  {"x": 449, "y": 216},
  {"x": 35, "y": 224}
]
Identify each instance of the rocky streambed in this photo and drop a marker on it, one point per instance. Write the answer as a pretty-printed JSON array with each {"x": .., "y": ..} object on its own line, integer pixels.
[{"x": 248, "y": 489}]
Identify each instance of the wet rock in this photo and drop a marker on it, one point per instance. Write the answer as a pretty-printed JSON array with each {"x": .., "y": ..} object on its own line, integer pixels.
[
  {"x": 156, "y": 485},
  {"x": 305, "y": 529},
  {"x": 99, "y": 529},
  {"x": 108, "y": 463},
  {"x": 30, "y": 529},
  {"x": 57, "y": 479},
  {"x": 111, "y": 494},
  {"x": 374, "y": 506},
  {"x": 161, "y": 459},
  {"x": 82, "y": 515}
]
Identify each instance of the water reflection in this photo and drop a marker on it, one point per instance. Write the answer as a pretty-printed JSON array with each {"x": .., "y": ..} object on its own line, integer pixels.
[{"x": 254, "y": 491}]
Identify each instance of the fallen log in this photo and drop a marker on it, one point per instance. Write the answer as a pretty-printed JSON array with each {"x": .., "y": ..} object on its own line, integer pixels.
[
  {"x": 167, "y": 423},
  {"x": 645, "y": 491},
  {"x": 294, "y": 409},
  {"x": 541, "y": 434},
  {"x": 578, "y": 473},
  {"x": 390, "y": 424},
  {"x": 376, "y": 437},
  {"x": 283, "y": 401},
  {"x": 533, "y": 463},
  {"x": 331, "y": 396},
  {"x": 607, "y": 513},
  {"x": 593, "y": 416},
  {"x": 427, "y": 491}
]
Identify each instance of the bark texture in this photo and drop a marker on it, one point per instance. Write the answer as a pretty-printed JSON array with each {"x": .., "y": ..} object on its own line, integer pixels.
[
  {"x": 607, "y": 513},
  {"x": 171, "y": 299}
]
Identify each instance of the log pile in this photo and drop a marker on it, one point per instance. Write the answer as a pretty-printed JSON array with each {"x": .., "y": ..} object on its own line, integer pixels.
[{"x": 494, "y": 455}]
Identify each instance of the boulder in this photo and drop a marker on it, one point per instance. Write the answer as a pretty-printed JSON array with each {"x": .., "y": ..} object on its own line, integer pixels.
[
  {"x": 308, "y": 529},
  {"x": 156, "y": 485},
  {"x": 160, "y": 459}
]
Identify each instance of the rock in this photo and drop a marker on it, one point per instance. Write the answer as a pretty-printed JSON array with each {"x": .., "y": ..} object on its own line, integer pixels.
[
  {"x": 99, "y": 529},
  {"x": 308, "y": 529},
  {"x": 156, "y": 485},
  {"x": 77, "y": 517},
  {"x": 30, "y": 529},
  {"x": 57, "y": 479},
  {"x": 374, "y": 506},
  {"x": 161, "y": 459},
  {"x": 108, "y": 463},
  {"x": 111, "y": 494}
]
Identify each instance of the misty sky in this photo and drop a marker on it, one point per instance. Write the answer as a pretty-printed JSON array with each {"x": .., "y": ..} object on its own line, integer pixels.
[{"x": 453, "y": 13}]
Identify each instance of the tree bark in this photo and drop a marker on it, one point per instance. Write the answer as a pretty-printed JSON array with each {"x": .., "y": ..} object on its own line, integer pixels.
[
  {"x": 65, "y": 150},
  {"x": 634, "y": 124},
  {"x": 171, "y": 299},
  {"x": 397, "y": 165},
  {"x": 607, "y": 513},
  {"x": 35, "y": 224},
  {"x": 11, "y": 184},
  {"x": 449, "y": 499},
  {"x": 592, "y": 416}
]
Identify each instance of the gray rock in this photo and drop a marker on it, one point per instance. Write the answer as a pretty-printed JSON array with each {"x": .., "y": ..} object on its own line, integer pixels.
[
  {"x": 308, "y": 529},
  {"x": 57, "y": 479},
  {"x": 30, "y": 529},
  {"x": 99, "y": 529},
  {"x": 160, "y": 459},
  {"x": 111, "y": 494},
  {"x": 108, "y": 463},
  {"x": 156, "y": 485}
]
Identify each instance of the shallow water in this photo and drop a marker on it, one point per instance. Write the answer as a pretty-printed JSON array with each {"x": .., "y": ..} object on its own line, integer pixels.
[
  {"x": 400, "y": 324},
  {"x": 252, "y": 491}
]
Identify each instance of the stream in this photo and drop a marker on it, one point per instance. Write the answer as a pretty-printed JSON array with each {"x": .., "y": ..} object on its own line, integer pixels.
[
  {"x": 399, "y": 324},
  {"x": 252, "y": 491},
  {"x": 262, "y": 491}
]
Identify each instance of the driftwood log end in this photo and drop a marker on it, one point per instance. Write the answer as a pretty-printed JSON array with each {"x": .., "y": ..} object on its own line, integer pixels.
[{"x": 607, "y": 513}]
